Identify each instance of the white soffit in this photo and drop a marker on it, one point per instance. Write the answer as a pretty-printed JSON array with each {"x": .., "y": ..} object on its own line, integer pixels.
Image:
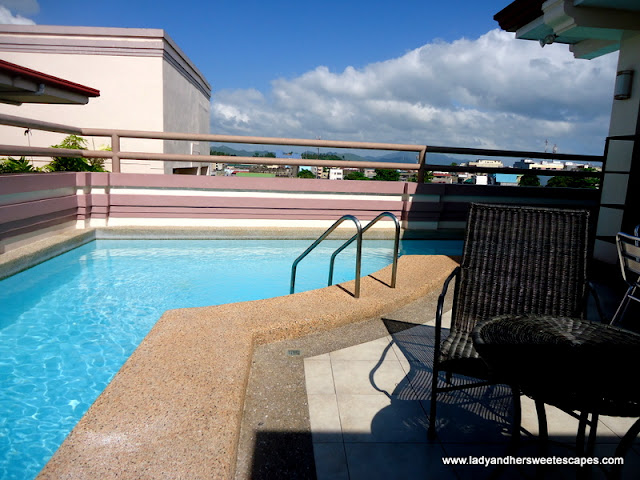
[
  {"x": 592, "y": 27},
  {"x": 630, "y": 5}
]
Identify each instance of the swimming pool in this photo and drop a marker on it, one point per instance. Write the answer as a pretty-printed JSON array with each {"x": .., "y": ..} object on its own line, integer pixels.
[{"x": 67, "y": 325}]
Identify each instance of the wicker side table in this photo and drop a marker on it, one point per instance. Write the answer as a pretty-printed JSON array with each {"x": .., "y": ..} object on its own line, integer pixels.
[{"x": 573, "y": 364}]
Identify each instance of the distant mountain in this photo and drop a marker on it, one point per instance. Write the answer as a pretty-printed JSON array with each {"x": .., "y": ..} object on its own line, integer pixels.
[
  {"x": 393, "y": 157},
  {"x": 236, "y": 152},
  {"x": 410, "y": 157}
]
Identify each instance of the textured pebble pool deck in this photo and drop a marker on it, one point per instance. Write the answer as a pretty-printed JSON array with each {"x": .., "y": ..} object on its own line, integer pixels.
[{"x": 175, "y": 408}]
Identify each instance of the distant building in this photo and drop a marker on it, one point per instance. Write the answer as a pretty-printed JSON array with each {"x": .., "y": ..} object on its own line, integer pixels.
[
  {"x": 507, "y": 179},
  {"x": 146, "y": 83},
  {"x": 485, "y": 163},
  {"x": 555, "y": 165},
  {"x": 369, "y": 172},
  {"x": 580, "y": 166},
  {"x": 335, "y": 174},
  {"x": 406, "y": 175},
  {"x": 444, "y": 177},
  {"x": 292, "y": 169},
  {"x": 347, "y": 170},
  {"x": 463, "y": 177},
  {"x": 524, "y": 164},
  {"x": 529, "y": 164},
  {"x": 321, "y": 172}
]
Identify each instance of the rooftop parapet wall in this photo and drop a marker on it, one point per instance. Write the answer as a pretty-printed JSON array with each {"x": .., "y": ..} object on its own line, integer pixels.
[{"x": 33, "y": 205}]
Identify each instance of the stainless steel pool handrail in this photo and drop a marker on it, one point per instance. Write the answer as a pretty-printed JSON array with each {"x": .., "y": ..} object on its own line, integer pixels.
[
  {"x": 321, "y": 238},
  {"x": 394, "y": 269}
]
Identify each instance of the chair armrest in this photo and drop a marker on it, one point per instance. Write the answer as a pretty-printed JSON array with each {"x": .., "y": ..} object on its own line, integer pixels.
[{"x": 445, "y": 287}]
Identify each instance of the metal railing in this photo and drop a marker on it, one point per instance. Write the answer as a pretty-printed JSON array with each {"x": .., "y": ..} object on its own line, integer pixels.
[
  {"x": 421, "y": 167},
  {"x": 357, "y": 237},
  {"x": 394, "y": 268},
  {"x": 320, "y": 239},
  {"x": 116, "y": 154}
]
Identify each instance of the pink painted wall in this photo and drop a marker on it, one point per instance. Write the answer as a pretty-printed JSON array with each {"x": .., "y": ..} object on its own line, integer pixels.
[{"x": 31, "y": 202}]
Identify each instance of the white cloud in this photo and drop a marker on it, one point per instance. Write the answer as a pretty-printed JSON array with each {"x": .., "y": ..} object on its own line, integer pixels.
[
  {"x": 7, "y": 17},
  {"x": 26, "y": 7},
  {"x": 492, "y": 92}
]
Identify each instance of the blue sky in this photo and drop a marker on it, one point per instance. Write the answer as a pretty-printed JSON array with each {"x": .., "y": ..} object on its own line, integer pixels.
[
  {"x": 438, "y": 73},
  {"x": 245, "y": 44}
]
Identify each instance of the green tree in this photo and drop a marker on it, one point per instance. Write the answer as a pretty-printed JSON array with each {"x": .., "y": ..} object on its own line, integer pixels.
[
  {"x": 306, "y": 174},
  {"x": 355, "y": 176},
  {"x": 220, "y": 154},
  {"x": 575, "y": 182},
  {"x": 387, "y": 175},
  {"x": 265, "y": 154},
  {"x": 559, "y": 182},
  {"x": 74, "y": 164},
  {"x": 529, "y": 180},
  {"x": 322, "y": 156},
  {"x": 428, "y": 177},
  {"x": 11, "y": 165}
]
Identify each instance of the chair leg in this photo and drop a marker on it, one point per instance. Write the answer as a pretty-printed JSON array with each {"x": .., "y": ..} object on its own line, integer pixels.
[
  {"x": 593, "y": 433},
  {"x": 512, "y": 447},
  {"x": 580, "y": 438},
  {"x": 431, "y": 432},
  {"x": 517, "y": 421},
  {"x": 581, "y": 448},
  {"x": 622, "y": 308},
  {"x": 543, "y": 431}
]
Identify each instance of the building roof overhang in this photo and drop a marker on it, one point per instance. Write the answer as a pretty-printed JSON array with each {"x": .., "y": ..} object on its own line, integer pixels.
[
  {"x": 591, "y": 27},
  {"x": 20, "y": 85}
]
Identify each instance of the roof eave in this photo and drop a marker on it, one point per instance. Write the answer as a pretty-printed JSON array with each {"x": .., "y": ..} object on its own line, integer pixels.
[{"x": 19, "y": 85}]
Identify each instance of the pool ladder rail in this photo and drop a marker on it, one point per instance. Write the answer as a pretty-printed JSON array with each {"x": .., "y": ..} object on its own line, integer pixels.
[{"x": 358, "y": 238}]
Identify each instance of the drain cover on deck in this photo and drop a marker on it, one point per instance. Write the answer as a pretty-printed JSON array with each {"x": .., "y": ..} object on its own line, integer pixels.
[{"x": 293, "y": 353}]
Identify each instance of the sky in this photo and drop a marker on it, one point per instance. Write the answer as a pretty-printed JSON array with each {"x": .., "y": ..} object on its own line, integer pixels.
[{"x": 420, "y": 72}]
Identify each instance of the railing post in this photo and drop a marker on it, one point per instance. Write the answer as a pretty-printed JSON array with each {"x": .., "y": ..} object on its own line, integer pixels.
[
  {"x": 421, "y": 161},
  {"x": 356, "y": 294},
  {"x": 115, "y": 153}
]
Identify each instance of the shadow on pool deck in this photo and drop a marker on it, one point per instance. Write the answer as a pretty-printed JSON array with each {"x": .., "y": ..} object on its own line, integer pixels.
[{"x": 369, "y": 416}]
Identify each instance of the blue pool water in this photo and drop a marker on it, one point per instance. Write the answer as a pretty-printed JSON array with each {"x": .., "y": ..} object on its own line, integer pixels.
[{"x": 69, "y": 324}]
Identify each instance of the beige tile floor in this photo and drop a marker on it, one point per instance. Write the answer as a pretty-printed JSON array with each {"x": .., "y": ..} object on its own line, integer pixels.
[{"x": 368, "y": 409}]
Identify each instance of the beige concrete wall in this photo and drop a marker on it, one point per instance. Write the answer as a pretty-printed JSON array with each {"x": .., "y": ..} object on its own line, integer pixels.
[
  {"x": 145, "y": 81},
  {"x": 186, "y": 109},
  {"x": 130, "y": 98}
]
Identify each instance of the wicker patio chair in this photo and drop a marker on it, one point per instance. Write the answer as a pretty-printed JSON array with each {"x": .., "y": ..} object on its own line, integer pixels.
[
  {"x": 629, "y": 255},
  {"x": 516, "y": 260}
]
